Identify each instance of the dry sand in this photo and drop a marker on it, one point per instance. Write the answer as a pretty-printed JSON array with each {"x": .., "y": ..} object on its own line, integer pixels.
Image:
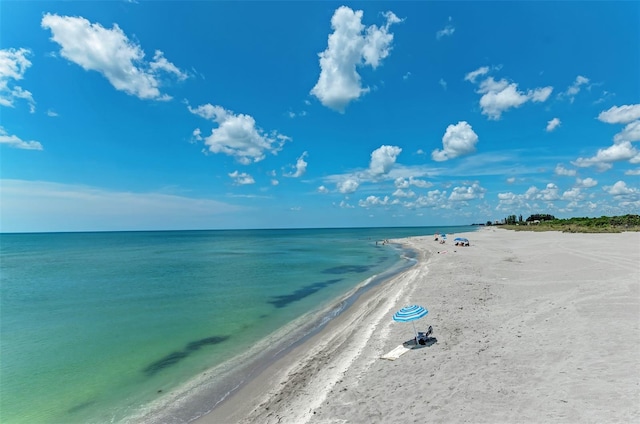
[{"x": 530, "y": 327}]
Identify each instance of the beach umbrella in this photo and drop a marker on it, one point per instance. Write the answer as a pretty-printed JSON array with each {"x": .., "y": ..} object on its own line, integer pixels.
[{"x": 410, "y": 313}]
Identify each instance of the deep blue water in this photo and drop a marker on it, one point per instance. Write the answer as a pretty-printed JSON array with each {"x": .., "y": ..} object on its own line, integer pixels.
[{"x": 97, "y": 327}]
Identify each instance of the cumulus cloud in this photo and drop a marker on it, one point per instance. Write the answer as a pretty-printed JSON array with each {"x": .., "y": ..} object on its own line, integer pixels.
[
  {"x": 301, "y": 167},
  {"x": 241, "y": 178},
  {"x": 458, "y": 140},
  {"x": 631, "y": 132},
  {"x": 348, "y": 185},
  {"x": 574, "y": 88},
  {"x": 605, "y": 157},
  {"x": 632, "y": 172},
  {"x": 350, "y": 46},
  {"x": 16, "y": 142},
  {"x": 586, "y": 183},
  {"x": 500, "y": 96},
  {"x": 620, "y": 188},
  {"x": 237, "y": 135},
  {"x": 561, "y": 170},
  {"x": 372, "y": 201},
  {"x": 447, "y": 31},
  {"x": 620, "y": 114},
  {"x": 404, "y": 193},
  {"x": 112, "y": 54},
  {"x": 383, "y": 158},
  {"x": 13, "y": 65},
  {"x": 553, "y": 124},
  {"x": 471, "y": 192},
  {"x": 322, "y": 189}
]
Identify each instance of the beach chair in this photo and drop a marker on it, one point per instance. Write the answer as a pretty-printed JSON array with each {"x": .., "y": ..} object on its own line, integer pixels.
[{"x": 423, "y": 338}]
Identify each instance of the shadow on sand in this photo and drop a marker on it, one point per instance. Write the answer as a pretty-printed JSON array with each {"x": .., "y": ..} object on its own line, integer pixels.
[{"x": 411, "y": 344}]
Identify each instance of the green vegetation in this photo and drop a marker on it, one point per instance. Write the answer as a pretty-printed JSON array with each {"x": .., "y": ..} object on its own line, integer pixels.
[{"x": 604, "y": 224}]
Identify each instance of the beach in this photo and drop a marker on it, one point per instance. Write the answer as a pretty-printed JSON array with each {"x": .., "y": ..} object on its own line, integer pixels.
[{"x": 527, "y": 327}]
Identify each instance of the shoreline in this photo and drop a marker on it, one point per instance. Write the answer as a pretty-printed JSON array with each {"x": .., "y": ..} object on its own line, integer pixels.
[{"x": 529, "y": 327}]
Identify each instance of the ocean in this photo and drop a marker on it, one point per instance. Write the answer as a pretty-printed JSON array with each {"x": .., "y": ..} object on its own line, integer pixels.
[{"x": 116, "y": 326}]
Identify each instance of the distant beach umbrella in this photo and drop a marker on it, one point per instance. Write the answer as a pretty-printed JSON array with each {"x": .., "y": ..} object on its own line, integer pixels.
[{"x": 410, "y": 313}]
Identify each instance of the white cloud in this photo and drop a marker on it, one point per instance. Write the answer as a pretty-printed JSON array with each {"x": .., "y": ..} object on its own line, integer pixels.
[
  {"x": 586, "y": 183},
  {"x": 467, "y": 193},
  {"x": 574, "y": 88},
  {"x": 553, "y": 124},
  {"x": 473, "y": 75},
  {"x": 383, "y": 158},
  {"x": 406, "y": 76},
  {"x": 573, "y": 194},
  {"x": 632, "y": 172},
  {"x": 500, "y": 96},
  {"x": 404, "y": 193},
  {"x": 111, "y": 53},
  {"x": 605, "y": 157},
  {"x": 52, "y": 113},
  {"x": 345, "y": 205},
  {"x": 561, "y": 170},
  {"x": 443, "y": 84},
  {"x": 372, "y": 201},
  {"x": 630, "y": 133},
  {"x": 322, "y": 189},
  {"x": 237, "y": 135},
  {"x": 419, "y": 183},
  {"x": 17, "y": 142},
  {"x": 458, "y": 140},
  {"x": 241, "y": 178},
  {"x": 350, "y": 45},
  {"x": 620, "y": 114},
  {"x": 301, "y": 167},
  {"x": 447, "y": 31},
  {"x": 348, "y": 185},
  {"x": 401, "y": 183},
  {"x": 13, "y": 65},
  {"x": 620, "y": 188}
]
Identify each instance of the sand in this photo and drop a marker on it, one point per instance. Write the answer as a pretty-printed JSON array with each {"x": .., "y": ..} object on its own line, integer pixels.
[{"x": 528, "y": 327}]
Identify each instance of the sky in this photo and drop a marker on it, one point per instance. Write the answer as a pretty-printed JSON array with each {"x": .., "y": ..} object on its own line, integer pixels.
[{"x": 144, "y": 115}]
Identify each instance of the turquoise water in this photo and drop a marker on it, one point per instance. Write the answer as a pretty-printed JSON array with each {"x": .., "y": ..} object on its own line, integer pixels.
[{"x": 99, "y": 327}]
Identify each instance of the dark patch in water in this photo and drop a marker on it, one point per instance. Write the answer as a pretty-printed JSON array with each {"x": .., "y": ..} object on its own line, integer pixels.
[
  {"x": 301, "y": 293},
  {"x": 345, "y": 269},
  {"x": 80, "y": 406},
  {"x": 175, "y": 357}
]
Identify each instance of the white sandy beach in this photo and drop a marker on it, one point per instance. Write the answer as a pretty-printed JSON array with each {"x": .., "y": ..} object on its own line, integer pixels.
[{"x": 530, "y": 327}]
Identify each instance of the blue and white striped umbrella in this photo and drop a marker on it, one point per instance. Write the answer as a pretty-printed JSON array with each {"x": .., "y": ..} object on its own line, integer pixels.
[{"x": 410, "y": 313}]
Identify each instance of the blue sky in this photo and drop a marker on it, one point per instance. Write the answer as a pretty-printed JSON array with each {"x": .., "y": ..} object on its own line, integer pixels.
[{"x": 125, "y": 115}]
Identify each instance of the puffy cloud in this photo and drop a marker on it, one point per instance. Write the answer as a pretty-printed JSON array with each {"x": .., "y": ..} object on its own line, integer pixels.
[
  {"x": 111, "y": 53},
  {"x": 620, "y": 114},
  {"x": 349, "y": 46},
  {"x": 561, "y": 170},
  {"x": 467, "y": 193},
  {"x": 17, "y": 142},
  {"x": 605, "y": 157},
  {"x": 620, "y": 189},
  {"x": 630, "y": 133},
  {"x": 13, "y": 65},
  {"x": 322, "y": 189},
  {"x": 446, "y": 31},
  {"x": 372, "y": 201},
  {"x": 632, "y": 172},
  {"x": 587, "y": 182},
  {"x": 348, "y": 185},
  {"x": 241, "y": 178},
  {"x": 403, "y": 193},
  {"x": 499, "y": 96},
  {"x": 383, "y": 158},
  {"x": 553, "y": 124},
  {"x": 301, "y": 167},
  {"x": 572, "y": 194},
  {"x": 435, "y": 198},
  {"x": 237, "y": 135},
  {"x": 574, "y": 88},
  {"x": 401, "y": 183},
  {"x": 419, "y": 183},
  {"x": 458, "y": 140}
]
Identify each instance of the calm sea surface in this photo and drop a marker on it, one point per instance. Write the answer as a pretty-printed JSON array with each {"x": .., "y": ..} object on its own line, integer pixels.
[{"x": 103, "y": 327}]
